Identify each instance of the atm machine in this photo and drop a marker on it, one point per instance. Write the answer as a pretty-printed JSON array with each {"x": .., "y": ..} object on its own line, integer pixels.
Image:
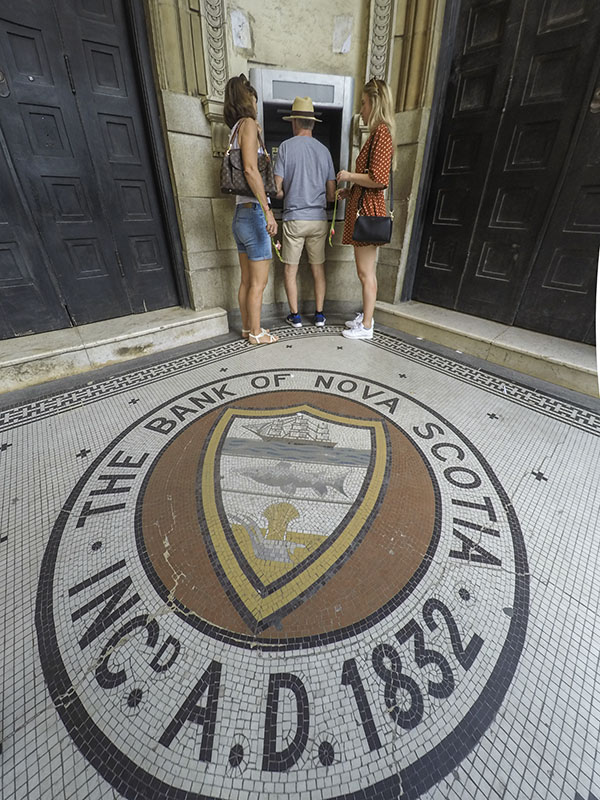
[{"x": 332, "y": 96}]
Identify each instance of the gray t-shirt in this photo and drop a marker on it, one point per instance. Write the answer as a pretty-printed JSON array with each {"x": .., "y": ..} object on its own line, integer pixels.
[{"x": 305, "y": 165}]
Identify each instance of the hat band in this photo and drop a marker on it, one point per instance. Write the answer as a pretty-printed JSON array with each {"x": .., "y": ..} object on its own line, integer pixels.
[{"x": 302, "y": 113}]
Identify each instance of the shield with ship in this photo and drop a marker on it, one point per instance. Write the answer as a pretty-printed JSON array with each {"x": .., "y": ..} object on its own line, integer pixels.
[{"x": 286, "y": 497}]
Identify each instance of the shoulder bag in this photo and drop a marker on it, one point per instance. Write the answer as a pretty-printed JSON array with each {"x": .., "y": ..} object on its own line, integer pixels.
[
  {"x": 376, "y": 230},
  {"x": 233, "y": 180}
]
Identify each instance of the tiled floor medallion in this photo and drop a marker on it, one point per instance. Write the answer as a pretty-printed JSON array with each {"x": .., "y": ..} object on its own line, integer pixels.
[{"x": 283, "y": 581}]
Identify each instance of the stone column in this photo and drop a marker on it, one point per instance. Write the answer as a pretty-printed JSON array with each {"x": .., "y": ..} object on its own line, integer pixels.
[
  {"x": 403, "y": 46},
  {"x": 417, "y": 38},
  {"x": 412, "y": 53},
  {"x": 188, "y": 40}
]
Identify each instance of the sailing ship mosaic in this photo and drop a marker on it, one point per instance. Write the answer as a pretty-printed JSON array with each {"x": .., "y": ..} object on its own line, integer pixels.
[{"x": 311, "y": 480}]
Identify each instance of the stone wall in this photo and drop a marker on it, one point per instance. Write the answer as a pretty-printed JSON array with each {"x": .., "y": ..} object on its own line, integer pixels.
[
  {"x": 411, "y": 67},
  {"x": 199, "y": 44}
]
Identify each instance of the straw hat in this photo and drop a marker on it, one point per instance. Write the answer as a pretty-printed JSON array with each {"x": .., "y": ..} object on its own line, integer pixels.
[{"x": 302, "y": 108}]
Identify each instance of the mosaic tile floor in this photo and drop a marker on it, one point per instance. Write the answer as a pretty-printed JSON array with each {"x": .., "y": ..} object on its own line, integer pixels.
[{"x": 319, "y": 569}]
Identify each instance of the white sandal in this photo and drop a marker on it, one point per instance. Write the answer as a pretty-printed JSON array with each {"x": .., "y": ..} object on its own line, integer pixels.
[
  {"x": 246, "y": 332},
  {"x": 255, "y": 338}
]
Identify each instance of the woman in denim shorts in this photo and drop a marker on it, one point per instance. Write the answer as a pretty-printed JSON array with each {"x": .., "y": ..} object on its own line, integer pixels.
[{"x": 251, "y": 234}]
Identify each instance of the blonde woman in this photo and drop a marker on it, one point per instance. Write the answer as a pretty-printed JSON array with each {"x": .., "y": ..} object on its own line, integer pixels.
[
  {"x": 252, "y": 228},
  {"x": 376, "y": 110}
]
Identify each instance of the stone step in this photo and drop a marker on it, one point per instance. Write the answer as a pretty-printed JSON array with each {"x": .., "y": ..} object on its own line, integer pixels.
[
  {"x": 569, "y": 364},
  {"x": 30, "y": 360}
]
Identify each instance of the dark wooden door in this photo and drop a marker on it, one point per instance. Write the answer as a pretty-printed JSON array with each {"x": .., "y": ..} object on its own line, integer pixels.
[
  {"x": 518, "y": 85},
  {"x": 28, "y": 299},
  {"x": 106, "y": 90},
  {"x": 76, "y": 137},
  {"x": 560, "y": 295}
]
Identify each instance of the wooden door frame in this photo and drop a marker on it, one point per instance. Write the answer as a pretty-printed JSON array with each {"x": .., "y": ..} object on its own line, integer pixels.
[
  {"x": 443, "y": 69},
  {"x": 138, "y": 26}
]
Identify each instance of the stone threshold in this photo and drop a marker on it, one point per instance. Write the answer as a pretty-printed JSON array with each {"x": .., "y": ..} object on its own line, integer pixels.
[
  {"x": 564, "y": 363},
  {"x": 29, "y": 360}
]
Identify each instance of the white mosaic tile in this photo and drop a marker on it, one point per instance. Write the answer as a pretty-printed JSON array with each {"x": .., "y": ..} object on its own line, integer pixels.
[{"x": 489, "y": 691}]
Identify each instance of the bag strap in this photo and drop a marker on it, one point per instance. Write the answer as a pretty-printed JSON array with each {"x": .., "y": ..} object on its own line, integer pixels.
[
  {"x": 390, "y": 183},
  {"x": 262, "y": 144},
  {"x": 231, "y": 135},
  {"x": 235, "y": 131}
]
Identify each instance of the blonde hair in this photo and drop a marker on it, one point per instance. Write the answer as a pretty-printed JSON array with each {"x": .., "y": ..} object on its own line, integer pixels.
[{"x": 382, "y": 107}]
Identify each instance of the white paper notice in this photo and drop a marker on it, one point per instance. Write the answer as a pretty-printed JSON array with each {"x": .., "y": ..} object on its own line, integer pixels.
[
  {"x": 342, "y": 33},
  {"x": 240, "y": 29}
]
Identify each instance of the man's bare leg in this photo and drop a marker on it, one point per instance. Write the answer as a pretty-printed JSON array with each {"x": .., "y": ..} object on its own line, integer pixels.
[
  {"x": 318, "y": 271},
  {"x": 291, "y": 288}
]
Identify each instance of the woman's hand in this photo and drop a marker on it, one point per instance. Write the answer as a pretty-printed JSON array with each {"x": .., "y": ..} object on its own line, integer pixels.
[
  {"x": 343, "y": 194},
  {"x": 271, "y": 223},
  {"x": 343, "y": 175}
]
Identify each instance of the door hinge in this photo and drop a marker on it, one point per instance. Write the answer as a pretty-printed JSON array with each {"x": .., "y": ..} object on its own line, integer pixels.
[
  {"x": 69, "y": 73},
  {"x": 120, "y": 263}
]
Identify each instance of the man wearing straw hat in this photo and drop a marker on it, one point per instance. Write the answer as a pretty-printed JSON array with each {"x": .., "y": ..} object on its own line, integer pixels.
[{"x": 305, "y": 178}]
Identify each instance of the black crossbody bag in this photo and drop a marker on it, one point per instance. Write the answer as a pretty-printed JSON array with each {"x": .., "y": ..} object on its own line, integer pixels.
[{"x": 377, "y": 230}]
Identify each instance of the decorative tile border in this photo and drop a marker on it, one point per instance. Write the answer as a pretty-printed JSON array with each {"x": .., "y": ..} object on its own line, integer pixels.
[
  {"x": 569, "y": 413},
  {"x": 577, "y": 416}
]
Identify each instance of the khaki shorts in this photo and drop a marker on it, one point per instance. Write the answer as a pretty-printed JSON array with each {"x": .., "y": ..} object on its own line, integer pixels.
[{"x": 300, "y": 232}]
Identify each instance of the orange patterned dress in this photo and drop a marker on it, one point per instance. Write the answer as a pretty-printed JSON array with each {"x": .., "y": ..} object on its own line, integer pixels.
[{"x": 379, "y": 171}]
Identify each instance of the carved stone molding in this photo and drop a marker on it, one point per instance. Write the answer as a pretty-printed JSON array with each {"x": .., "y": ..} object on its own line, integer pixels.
[
  {"x": 382, "y": 14},
  {"x": 414, "y": 55},
  {"x": 220, "y": 136},
  {"x": 215, "y": 53},
  {"x": 219, "y": 132},
  {"x": 215, "y": 59}
]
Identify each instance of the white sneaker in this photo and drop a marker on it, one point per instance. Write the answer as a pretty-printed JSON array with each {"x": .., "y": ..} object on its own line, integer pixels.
[
  {"x": 359, "y": 332},
  {"x": 353, "y": 323}
]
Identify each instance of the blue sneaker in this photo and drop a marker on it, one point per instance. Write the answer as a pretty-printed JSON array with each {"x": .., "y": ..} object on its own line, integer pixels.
[
  {"x": 320, "y": 319},
  {"x": 295, "y": 320}
]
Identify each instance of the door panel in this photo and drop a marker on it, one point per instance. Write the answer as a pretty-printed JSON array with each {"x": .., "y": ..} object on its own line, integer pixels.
[
  {"x": 518, "y": 82},
  {"x": 550, "y": 77},
  {"x": 560, "y": 295},
  {"x": 28, "y": 298},
  {"x": 487, "y": 36},
  {"x": 77, "y": 144},
  {"x": 52, "y": 159},
  {"x": 107, "y": 94}
]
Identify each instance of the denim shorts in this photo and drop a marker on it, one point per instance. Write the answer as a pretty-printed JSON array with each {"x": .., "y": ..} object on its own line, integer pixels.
[{"x": 250, "y": 233}]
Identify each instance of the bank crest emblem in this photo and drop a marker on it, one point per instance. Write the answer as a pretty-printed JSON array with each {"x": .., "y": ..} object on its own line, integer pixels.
[
  {"x": 283, "y": 574},
  {"x": 284, "y": 496}
]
